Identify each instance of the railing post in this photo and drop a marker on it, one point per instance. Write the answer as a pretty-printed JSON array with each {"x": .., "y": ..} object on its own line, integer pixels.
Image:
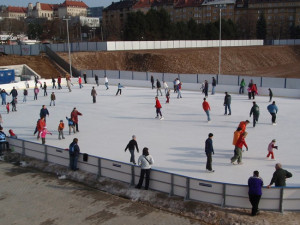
[
  {"x": 132, "y": 75},
  {"x": 146, "y": 75},
  {"x": 187, "y": 195},
  {"x": 197, "y": 78},
  {"x": 281, "y": 200},
  {"x": 261, "y": 83},
  {"x": 172, "y": 185},
  {"x": 119, "y": 74},
  {"x": 238, "y": 81},
  {"x": 132, "y": 176},
  {"x": 23, "y": 148},
  {"x": 46, "y": 153},
  {"x": 223, "y": 204},
  {"x": 285, "y": 82},
  {"x": 99, "y": 168}
]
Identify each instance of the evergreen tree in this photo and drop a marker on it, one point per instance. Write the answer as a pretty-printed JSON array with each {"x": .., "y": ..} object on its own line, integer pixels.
[{"x": 261, "y": 27}]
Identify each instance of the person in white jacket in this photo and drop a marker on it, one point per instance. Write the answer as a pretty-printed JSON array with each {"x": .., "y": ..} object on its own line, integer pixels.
[
  {"x": 145, "y": 161},
  {"x": 106, "y": 82},
  {"x": 166, "y": 87}
]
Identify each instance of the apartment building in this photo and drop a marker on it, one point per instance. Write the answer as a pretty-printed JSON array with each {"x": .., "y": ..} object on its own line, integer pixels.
[
  {"x": 14, "y": 12},
  {"x": 43, "y": 10}
]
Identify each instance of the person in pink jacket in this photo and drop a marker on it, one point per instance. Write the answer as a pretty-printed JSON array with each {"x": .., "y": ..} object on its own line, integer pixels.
[{"x": 43, "y": 134}]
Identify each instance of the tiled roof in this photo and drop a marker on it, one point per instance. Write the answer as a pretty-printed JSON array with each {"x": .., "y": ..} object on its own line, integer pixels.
[
  {"x": 16, "y": 9},
  {"x": 49, "y": 7},
  {"x": 143, "y": 4},
  {"x": 188, "y": 3},
  {"x": 163, "y": 2},
  {"x": 120, "y": 5},
  {"x": 69, "y": 3}
]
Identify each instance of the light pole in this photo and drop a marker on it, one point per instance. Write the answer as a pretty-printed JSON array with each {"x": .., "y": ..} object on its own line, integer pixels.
[
  {"x": 220, "y": 6},
  {"x": 69, "y": 49}
]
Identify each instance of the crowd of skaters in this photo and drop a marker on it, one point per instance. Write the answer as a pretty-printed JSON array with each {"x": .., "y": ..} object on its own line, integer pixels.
[{"x": 239, "y": 135}]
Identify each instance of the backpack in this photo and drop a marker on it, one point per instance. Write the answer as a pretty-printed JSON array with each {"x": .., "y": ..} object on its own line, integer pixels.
[{"x": 72, "y": 148}]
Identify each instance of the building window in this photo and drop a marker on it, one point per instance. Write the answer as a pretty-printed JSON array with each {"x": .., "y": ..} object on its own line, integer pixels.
[
  {"x": 291, "y": 17},
  {"x": 269, "y": 10},
  {"x": 195, "y": 15},
  {"x": 208, "y": 14},
  {"x": 208, "y": 7},
  {"x": 275, "y": 10},
  {"x": 269, "y": 17}
]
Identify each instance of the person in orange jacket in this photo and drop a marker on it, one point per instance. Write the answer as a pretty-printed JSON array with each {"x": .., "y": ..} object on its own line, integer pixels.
[
  {"x": 243, "y": 125},
  {"x": 158, "y": 107},
  {"x": 61, "y": 127},
  {"x": 206, "y": 108},
  {"x": 40, "y": 126},
  {"x": 238, "y": 149},
  {"x": 236, "y": 135}
]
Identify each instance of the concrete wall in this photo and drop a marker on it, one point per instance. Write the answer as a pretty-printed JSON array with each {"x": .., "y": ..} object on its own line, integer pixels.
[{"x": 224, "y": 194}]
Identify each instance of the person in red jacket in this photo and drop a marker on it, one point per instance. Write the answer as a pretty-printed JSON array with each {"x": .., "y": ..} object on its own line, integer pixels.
[
  {"x": 158, "y": 107},
  {"x": 74, "y": 117},
  {"x": 40, "y": 126},
  {"x": 253, "y": 91},
  {"x": 243, "y": 125},
  {"x": 59, "y": 82},
  {"x": 238, "y": 149},
  {"x": 206, "y": 108},
  {"x": 80, "y": 82}
]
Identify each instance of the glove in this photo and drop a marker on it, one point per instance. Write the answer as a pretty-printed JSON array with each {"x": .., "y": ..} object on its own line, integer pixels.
[
  {"x": 247, "y": 149},
  {"x": 276, "y": 147}
]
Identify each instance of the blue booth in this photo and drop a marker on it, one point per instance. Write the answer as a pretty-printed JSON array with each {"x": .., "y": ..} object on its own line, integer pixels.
[{"x": 7, "y": 76}]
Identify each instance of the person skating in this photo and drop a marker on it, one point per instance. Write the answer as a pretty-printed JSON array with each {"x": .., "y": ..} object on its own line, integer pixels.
[
  {"x": 106, "y": 82},
  {"x": 179, "y": 86},
  {"x": 80, "y": 82},
  {"x": 279, "y": 176},
  {"x": 168, "y": 96},
  {"x": 45, "y": 89},
  {"x": 74, "y": 116},
  {"x": 242, "y": 86},
  {"x": 97, "y": 80},
  {"x": 94, "y": 94},
  {"x": 14, "y": 93},
  {"x": 236, "y": 135},
  {"x": 243, "y": 125},
  {"x": 71, "y": 125},
  {"x": 84, "y": 78},
  {"x": 43, "y": 134},
  {"x": 145, "y": 161},
  {"x": 227, "y": 103},
  {"x": 238, "y": 149},
  {"x": 255, "y": 184},
  {"x": 52, "y": 99},
  {"x": 273, "y": 109},
  {"x": 60, "y": 129},
  {"x": 40, "y": 125},
  {"x": 119, "y": 89},
  {"x": 249, "y": 93},
  {"x": 53, "y": 83},
  {"x": 214, "y": 84},
  {"x": 68, "y": 79},
  {"x": 152, "y": 81},
  {"x": 3, "y": 96},
  {"x": 177, "y": 81},
  {"x": 270, "y": 94},
  {"x": 7, "y": 107},
  {"x": 253, "y": 91},
  {"x": 14, "y": 104},
  {"x": 158, "y": 109},
  {"x": 25, "y": 94},
  {"x": 74, "y": 152},
  {"x": 209, "y": 151},
  {"x": 271, "y": 146},
  {"x": 44, "y": 112},
  {"x": 131, "y": 146},
  {"x": 59, "y": 82},
  {"x": 36, "y": 91},
  {"x": 166, "y": 87},
  {"x": 255, "y": 111},
  {"x": 158, "y": 87},
  {"x": 206, "y": 88},
  {"x": 206, "y": 108}
]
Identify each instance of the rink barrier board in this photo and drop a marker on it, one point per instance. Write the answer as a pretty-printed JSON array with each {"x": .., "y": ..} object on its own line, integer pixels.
[{"x": 224, "y": 194}]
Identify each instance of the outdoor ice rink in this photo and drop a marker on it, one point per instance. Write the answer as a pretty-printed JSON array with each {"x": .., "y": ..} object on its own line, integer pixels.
[{"x": 177, "y": 142}]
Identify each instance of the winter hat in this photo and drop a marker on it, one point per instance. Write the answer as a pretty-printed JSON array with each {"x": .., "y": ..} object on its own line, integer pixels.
[
  {"x": 274, "y": 140},
  {"x": 11, "y": 132},
  {"x": 61, "y": 121}
]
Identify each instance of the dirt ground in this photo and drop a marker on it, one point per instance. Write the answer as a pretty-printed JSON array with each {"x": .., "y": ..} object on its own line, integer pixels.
[{"x": 274, "y": 61}]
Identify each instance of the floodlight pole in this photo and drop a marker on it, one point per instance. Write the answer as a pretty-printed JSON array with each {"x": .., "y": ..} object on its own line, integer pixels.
[
  {"x": 69, "y": 49},
  {"x": 220, "y": 6}
]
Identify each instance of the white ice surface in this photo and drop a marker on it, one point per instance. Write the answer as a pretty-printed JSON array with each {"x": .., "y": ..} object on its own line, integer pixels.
[{"x": 177, "y": 142}]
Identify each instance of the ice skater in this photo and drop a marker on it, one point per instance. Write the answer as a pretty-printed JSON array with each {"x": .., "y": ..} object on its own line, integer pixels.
[
  {"x": 242, "y": 86},
  {"x": 271, "y": 146},
  {"x": 238, "y": 149},
  {"x": 106, "y": 82},
  {"x": 97, "y": 80},
  {"x": 3, "y": 96},
  {"x": 52, "y": 99},
  {"x": 45, "y": 89},
  {"x": 158, "y": 87},
  {"x": 119, "y": 89},
  {"x": 44, "y": 112},
  {"x": 166, "y": 87},
  {"x": 71, "y": 125},
  {"x": 206, "y": 88},
  {"x": 227, "y": 103},
  {"x": 53, "y": 83},
  {"x": 14, "y": 104},
  {"x": 270, "y": 94},
  {"x": 74, "y": 116},
  {"x": 131, "y": 146},
  {"x": 84, "y": 78},
  {"x": 80, "y": 82},
  {"x": 273, "y": 109},
  {"x": 206, "y": 108},
  {"x": 152, "y": 81},
  {"x": 179, "y": 90},
  {"x": 43, "y": 134},
  {"x": 59, "y": 82},
  {"x": 94, "y": 94},
  {"x": 236, "y": 135},
  {"x": 7, "y": 107},
  {"x": 214, "y": 84},
  {"x": 255, "y": 111},
  {"x": 209, "y": 151},
  {"x": 168, "y": 96},
  {"x": 61, "y": 127},
  {"x": 25, "y": 94},
  {"x": 158, "y": 109},
  {"x": 36, "y": 91}
]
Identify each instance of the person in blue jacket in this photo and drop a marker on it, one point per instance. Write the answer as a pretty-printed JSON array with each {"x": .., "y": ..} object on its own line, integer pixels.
[
  {"x": 74, "y": 152},
  {"x": 255, "y": 184},
  {"x": 209, "y": 150},
  {"x": 273, "y": 109},
  {"x": 119, "y": 89},
  {"x": 3, "y": 96}
]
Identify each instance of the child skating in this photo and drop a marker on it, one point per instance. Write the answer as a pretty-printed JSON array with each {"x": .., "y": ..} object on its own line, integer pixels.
[
  {"x": 168, "y": 96},
  {"x": 71, "y": 125},
  {"x": 52, "y": 99},
  {"x": 158, "y": 107},
  {"x": 61, "y": 127},
  {"x": 270, "y": 149},
  {"x": 7, "y": 107},
  {"x": 43, "y": 134}
]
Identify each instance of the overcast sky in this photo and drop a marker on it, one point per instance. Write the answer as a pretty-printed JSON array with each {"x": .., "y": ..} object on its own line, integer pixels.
[{"x": 90, "y": 3}]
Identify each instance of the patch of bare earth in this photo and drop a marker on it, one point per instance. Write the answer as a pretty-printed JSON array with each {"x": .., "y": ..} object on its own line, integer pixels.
[{"x": 275, "y": 61}]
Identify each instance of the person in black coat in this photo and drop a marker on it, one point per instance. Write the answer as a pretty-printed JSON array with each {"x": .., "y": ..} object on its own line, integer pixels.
[
  {"x": 14, "y": 93},
  {"x": 152, "y": 81},
  {"x": 158, "y": 87},
  {"x": 74, "y": 152},
  {"x": 209, "y": 150},
  {"x": 84, "y": 78},
  {"x": 206, "y": 88},
  {"x": 44, "y": 112},
  {"x": 131, "y": 145},
  {"x": 227, "y": 103},
  {"x": 270, "y": 94}
]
